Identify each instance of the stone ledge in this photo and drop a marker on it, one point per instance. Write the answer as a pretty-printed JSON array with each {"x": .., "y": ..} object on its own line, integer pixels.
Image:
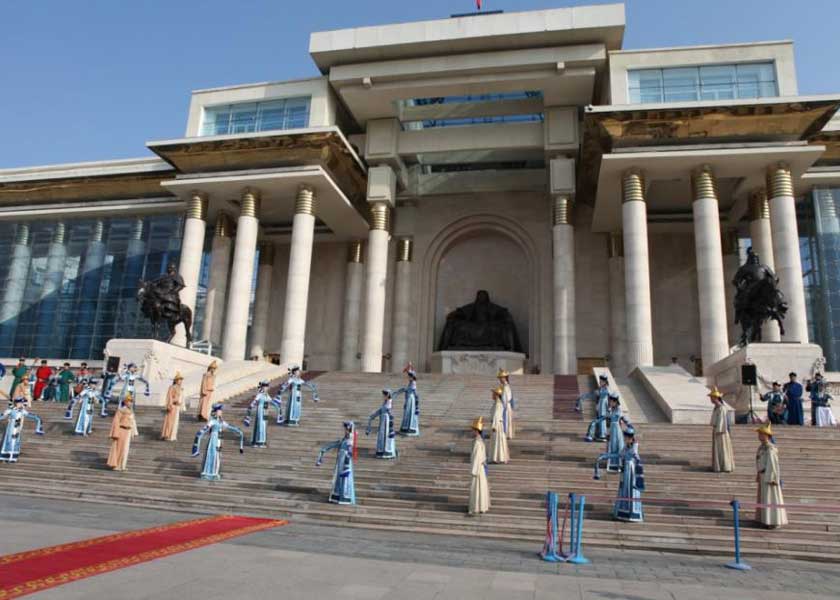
[{"x": 478, "y": 362}]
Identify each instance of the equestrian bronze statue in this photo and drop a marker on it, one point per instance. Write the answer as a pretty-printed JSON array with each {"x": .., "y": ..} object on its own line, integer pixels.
[
  {"x": 160, "y": 302},
  {"x": 757, "y": 299}
]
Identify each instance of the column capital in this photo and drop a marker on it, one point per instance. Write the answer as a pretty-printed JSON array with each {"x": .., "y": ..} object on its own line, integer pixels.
[
  {"x": 633, "y": 185},
  {"x": 249, "y": 205},
  {"x": 779, "y": 181},
  {"x": 759, "y": 207},
  {"x": 305, "y": 200},
  {"x": 197, "y": 206},
  {"x": 137, "y": 229},
  {"x": 405, "y": 249},
  {"x": 562, "y": 209},
  {"x": 382, "y": 185},
  {"x": 355, "y": 252},
  {"x": 615, "y": 245},
  {"x": 22, "y": 234},
  {"x": 59, "y": 233},
  {"x": 98, "y": 230},
  {"x": 380, "y": 216},
  {"x": 703, "y": 183},
  {"x": 224, "y": 225}
]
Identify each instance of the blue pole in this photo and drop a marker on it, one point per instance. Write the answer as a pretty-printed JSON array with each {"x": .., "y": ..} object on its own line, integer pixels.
[
  {"x": 579, "y": 558},
  {"x": 738, "y": 565},
  {"x": 572, "y": 521}
]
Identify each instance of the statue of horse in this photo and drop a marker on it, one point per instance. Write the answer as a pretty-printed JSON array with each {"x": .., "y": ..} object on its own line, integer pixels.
[
  {"x": 160, "y": 309},
  {"x": 757, "y": 299}
]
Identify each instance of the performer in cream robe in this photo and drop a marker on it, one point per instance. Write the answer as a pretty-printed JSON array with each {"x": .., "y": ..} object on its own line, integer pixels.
[
  {"x": 123, "y": 428},
  {"x": 208, "y": 384},
  {"x": 499, "y": 445},
  {"x": 508, "y": 401},
  {"x": 479, "y": 489},
  {"x": 769, "y": 480},
  {"x": 174, "y": 407},
  {"x": 723, "y": 459}
]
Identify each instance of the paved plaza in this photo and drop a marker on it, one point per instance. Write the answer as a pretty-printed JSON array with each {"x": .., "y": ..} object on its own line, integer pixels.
[{"x": 304, "y": 560}]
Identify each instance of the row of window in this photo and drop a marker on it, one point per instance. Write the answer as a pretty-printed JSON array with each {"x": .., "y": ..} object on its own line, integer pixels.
[
  {"x": 712, "y": 82},
  {"x": 248, "y": 117}
]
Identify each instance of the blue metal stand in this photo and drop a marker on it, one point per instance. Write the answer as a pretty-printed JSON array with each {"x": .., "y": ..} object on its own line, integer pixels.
[
  {"x": 550, "y": 548},
  {"x": 577, "y": 557},
  {"x": 738, "y": 565}
]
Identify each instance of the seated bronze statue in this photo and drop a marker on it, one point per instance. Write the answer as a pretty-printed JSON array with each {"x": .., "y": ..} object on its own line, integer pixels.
[{"x": 481, "y": 325}]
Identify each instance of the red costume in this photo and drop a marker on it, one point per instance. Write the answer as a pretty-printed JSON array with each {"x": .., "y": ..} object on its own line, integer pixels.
[{"x": 43, "y": 375}]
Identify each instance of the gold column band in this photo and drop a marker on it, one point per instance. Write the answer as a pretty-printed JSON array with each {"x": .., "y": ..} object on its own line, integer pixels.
[
  {"x": 729, "y": 241},
  {"x": 779, "y": 181},
  {"x": 404, "y": 250},
  {"x": 759, "y": 207},
  {"x": 615, "y": 245},
  {"x": 266, "y": 253},
  {"x": 137, "y": 229},
  {"x": 380, "y": 216},
  {"x": 224, "y": 226},
  {"x": 563, "y": 212},
  {"x": 22, "y": 234},
  {"x": 197, "y": 206},
  {"x": 60, "y": 233},
  {"x": 703, "y": 183},
  {"x": 354, "y": 252},
  {"x": 633, "y": 186},
  {"x": 98, "y": 230},
  {"x": 250, "y": 204},
  {"x": 305, "y": 201}
]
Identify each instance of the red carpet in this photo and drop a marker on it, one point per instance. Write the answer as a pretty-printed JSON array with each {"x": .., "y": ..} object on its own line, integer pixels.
[
  {"x": 566, "y": 393},
  {"x": 36, "y": 570}
]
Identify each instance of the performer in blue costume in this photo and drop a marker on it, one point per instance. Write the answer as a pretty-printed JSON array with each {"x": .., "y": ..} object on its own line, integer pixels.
[
  {"x": 295, "y": 385},
  {"x": 109, "y": 378},
  {"x": 10, "y": 449},
  {"x": 386, "y": 438},
  {"x": 410, "y": 424},
  {"x": 632, "y": 482},
  {"x": 818, "y": 393},
  {"x": 129, "y": 378},
  {"x": 259, "y": 409},
  {"x": 85, "y": 400},
  {"x": 343, "y": 490},
  {"x": 601, "y": 397},
  {"x": 615, "y": 417},
  {"x": 793, "y": 391},
  {"x": 212, "y": 462}
]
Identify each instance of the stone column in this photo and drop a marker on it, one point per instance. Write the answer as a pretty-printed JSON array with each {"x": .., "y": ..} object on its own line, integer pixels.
[
  {"x": 297, "y": 281},
  {"x": 262, "y": 303},
  {"x": 90, "y": 276},
  {"x": 14, "y": 288},
  {"x": 241, "y": 277},
  {"x": 618, "y": 314},
  {"x": 731, "y": 263},
  {"x": 402, "y": 305},
  {"x": 639, "y": 346},
  {"x": 51, "y": 289},
  {"x": 714, "y": 339},
  {"x": 762, "y": 244},
  {"x": 375, "y": 281},
  {"x": 352, "y": 308},
  {"x": 563, "y": 230},
  {"x": 214, "y": 307},
  {"x": 785, "y": 234},
  {"x": 192, "y": 251}
]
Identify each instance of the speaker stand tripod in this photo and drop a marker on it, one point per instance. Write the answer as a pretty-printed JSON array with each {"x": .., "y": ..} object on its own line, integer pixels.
[{"x": 752, "y": 416}]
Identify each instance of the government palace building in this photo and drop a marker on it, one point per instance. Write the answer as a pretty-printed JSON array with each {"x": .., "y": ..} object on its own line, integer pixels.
[{"x": 604, "y": 197}]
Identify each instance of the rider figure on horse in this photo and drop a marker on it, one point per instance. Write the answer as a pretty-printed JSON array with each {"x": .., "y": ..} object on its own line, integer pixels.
[
  {"x": 757, "y": 298},
  {"x": 160, "y": 301}
]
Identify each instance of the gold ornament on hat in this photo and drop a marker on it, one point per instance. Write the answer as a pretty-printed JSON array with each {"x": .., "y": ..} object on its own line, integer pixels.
[
  {"x": 766, "y": 429},
  {"x": 213, "y": 365},
  {"x": 498, "y": 392},
  {"x": 478, "y": 424},
  {"x": 502, "y": 373},
  {"x": 715, "y": 393}
]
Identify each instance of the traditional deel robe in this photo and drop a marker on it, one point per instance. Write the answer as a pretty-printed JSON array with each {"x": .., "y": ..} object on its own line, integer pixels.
[
  {"x": 42, "y": 378},
  {"x": 601, "y": 413},
  {"x": 775, "y": 406},
  {"x": 85, "y": 401},
  {"x": 615, "y": 439},
  {"x": 19, "y": 374},
  {"x": 172, "y": 413},
  {"x": 510, "y": 405},
  {"x": 109, "y": 378},
  {"x": 818, "y": 393},
  {"x": 630, "y": 485},
  {"x": 123, "y": 429},
  {"x": 212, "y": 462},
  {"x": 294, "y": 385},
  {"x": 14, "y": 417},
  {"x": 208, "y": 385},
  {"x": 479, "y": 488},
  {"x": 795, "y": 414},
  {"x": 65, "y": 380},
  {"x": 130, "y": 380},
  {"x": 499, "y": 453},
  {"x": 258, "y": 409},
  {"x": 343, "y": 489},
  {"x": 723, "y": 459},
  {"x": 769, "y": 486},
  {"x": 386, "y": 437},
  {"x": 410, "y": 424}
]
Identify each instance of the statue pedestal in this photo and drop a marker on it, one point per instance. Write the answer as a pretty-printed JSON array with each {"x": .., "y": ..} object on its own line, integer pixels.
[
  {"x": 773, "y": 362},
  {"x": 478, "y": 362},
  {"x": 158, "y": 362}
]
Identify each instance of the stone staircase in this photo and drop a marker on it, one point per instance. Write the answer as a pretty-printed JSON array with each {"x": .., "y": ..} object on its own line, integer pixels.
[{"x": 426, "y": 489}]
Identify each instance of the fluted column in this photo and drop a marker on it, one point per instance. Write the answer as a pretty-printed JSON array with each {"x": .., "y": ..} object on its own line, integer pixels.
[
  {"x": 262, "y": 302},
  {"x": 352, "y": 308},
  {"x": 636, "y": 271},
  {"x": 214, "y": 307},
  {"x": 48, "y": 298},
  {"x": 563, "y": 231},
  {"x": 376, "y": 277},
  {"x": 731, "y": 263},
  {"x": 241, "y": 277},
  {"x": 14, "y": 288},
  {"x": 402, "y": 305},
  {"x": 762, "y": 244},
  {"x": 788, "y": 261},
  {"x": 192, "y": 250},
  {"x": 618, "y": 313},
  {"x": 91, "y": 280},
  {"x": 714, "y": 338},
  {"x": 297, "y": 282}
]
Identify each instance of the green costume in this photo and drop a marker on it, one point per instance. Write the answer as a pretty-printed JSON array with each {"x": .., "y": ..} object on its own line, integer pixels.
[
  {"x": 65, "y": 379},
  {"x": 20, "y": 373}
]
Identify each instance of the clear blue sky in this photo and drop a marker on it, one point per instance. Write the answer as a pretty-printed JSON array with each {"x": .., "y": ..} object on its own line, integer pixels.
[{"x": 95, "y": 79}]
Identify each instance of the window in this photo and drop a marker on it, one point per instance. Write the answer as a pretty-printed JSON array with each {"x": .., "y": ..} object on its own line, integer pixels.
[
  {"x": 708, "y": 82},
  {"x": 473, "y": 99},
  {"x": 286, "y": 113}
]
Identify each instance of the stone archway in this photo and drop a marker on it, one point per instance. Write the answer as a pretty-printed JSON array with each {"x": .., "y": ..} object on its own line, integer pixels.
[{"x": 469, "y": 243}]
